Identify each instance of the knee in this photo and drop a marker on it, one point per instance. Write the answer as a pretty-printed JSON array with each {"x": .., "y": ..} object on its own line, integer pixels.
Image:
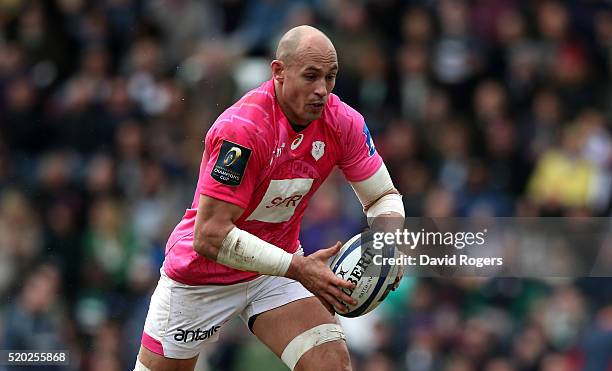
[
  {"x": 333, "y": 356},
  {"x": 338, "y": 361},
  {"x": 320, "y": 348}
]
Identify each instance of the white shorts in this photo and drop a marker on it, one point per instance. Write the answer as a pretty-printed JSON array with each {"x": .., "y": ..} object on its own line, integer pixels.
[{"x": 183, "y": 318}]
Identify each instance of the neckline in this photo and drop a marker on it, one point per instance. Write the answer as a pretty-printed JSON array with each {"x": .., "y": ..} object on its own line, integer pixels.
[{"x": 289, "y": 127}]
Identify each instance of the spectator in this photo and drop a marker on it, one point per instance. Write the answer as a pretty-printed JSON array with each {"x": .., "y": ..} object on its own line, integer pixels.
[{"x": 478, "y": 107}]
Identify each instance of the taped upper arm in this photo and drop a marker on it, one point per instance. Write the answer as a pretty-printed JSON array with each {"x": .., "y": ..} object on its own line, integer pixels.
[{"x": 371, "y": 189}]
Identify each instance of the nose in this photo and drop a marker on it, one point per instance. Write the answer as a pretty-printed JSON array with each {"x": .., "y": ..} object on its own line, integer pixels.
[{"x": 321, "y": 89}]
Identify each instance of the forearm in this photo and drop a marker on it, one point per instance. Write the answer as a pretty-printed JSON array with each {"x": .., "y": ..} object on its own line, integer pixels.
[
  {"x": 245, "y": 251},
  {"x": 381, "y": 202},
  {"x": 217, "y": 238}
]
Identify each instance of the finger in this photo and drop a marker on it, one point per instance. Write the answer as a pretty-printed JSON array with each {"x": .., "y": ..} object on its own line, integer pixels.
[
  {"x": 341, "y": 295},
  {"x": 343, "y": 284},
  {"x": 341, "y": 307},
  {"x": 330, "y": 251},
  {"x": 333, "y": 250}
]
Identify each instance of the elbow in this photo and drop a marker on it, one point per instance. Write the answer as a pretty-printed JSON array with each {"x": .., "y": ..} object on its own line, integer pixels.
[
  {"x": 393, "y": 191},
  {"x": 389, "y": 204},
  {"x": 203, "y": 248},
  {"x": 207, "y": 242}
]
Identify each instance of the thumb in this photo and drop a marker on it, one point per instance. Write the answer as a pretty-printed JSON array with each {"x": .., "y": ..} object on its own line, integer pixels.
[{"x": 331, "y": 251}]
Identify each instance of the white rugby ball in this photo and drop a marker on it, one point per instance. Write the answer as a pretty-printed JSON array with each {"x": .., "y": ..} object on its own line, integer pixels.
[{"x": 355, "y": 263}]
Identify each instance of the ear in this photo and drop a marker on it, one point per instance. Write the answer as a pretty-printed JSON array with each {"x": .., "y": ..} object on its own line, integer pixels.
[{"x": 278, "y": 70}]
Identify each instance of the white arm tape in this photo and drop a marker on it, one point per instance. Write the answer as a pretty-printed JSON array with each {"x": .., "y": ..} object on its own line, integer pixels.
[
  {"x": 244, "y": 251},
  {"x": 371, "y": 189},
  {"x": 387, "y": 203},
  {"x": 310, "y": 339}
]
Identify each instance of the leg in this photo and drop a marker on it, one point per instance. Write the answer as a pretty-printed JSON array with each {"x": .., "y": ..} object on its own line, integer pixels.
[
  {"x": 182, "y": 319},
  {"x": 156, "y": 362},
  {"x": 278, "y": 327}
]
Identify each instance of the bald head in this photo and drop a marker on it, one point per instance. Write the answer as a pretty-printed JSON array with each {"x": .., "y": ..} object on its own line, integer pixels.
[
  {"x": 304, "y": 73},
  {"x": 293, "y": 42}
]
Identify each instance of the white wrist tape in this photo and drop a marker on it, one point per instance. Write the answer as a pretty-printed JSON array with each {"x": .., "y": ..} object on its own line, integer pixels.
[
  {"x": 309, "y": 339},
  {"x": 244, "y": 251},
  {"x": 387, "y": 203}
]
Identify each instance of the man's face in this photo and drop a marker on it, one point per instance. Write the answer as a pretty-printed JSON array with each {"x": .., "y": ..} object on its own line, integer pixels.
[{"x": 307, "y": 82}]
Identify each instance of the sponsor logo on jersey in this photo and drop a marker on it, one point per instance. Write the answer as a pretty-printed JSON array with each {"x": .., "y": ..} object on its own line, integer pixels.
[
  {"x": 318, "y": 149},
  {"x": 231, "y": 163},
  {"x": 187, "y": 336},
  {"x": 368, "y": 139},
  {"x": 281, "y": 200},
  {"x": 290, "y": 201},
  {"x": 297, "y": 141}
]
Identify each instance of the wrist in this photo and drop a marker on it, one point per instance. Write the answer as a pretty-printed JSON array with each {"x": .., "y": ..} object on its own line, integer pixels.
[{"x": 294, "y": 270}]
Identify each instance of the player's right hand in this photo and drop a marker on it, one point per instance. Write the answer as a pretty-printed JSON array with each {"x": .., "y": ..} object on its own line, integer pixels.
[{"x": 315, "y": 275}]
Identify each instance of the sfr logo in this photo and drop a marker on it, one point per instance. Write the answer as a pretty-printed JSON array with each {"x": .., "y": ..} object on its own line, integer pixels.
[
  {"x": 281, "y": 199},
  {"x": 290, "y": 201}
]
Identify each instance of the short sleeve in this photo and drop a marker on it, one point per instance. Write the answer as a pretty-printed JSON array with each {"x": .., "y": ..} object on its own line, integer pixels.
[
  {"x": 360, "y": 160},
  {"x": 232, "y": 165}
]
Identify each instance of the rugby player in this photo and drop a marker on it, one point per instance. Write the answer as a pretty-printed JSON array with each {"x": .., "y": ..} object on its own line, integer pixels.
[{"x": 236, "y": 250}]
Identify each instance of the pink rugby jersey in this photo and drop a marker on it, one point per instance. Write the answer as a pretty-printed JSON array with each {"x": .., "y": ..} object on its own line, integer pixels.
[{"x": 254, "y": 159}]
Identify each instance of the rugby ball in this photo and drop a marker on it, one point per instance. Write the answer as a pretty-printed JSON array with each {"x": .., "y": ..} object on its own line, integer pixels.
[{"x": 358, "y": 261}]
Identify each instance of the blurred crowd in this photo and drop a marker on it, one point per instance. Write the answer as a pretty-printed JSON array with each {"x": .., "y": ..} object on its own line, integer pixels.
[{"x": 479, "y": 107}]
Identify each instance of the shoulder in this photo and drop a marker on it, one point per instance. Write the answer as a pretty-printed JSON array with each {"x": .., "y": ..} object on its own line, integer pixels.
[
  {"x": 248, "y": 118},
  {"x": 344, "y": 119},
  {"x": 342, "y": 116},
  {"x": 350, "y": 126}
]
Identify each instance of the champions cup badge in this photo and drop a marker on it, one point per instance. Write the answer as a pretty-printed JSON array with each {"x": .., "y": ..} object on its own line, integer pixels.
[
  {"x": 297, "y": 141},
  {"x": 232, "y": 156},
  {"x": 318, "y": 149},
  {"x": 231, "y": 163}
]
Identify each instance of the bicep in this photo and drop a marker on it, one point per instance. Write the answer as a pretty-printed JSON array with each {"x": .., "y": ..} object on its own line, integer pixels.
[
  {"x": 214, "y": 220},
  {"x": 211, "y": 208}
]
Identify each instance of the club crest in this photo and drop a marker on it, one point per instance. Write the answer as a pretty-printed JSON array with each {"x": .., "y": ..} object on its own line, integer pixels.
[{"x": 318, "y": 149}]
